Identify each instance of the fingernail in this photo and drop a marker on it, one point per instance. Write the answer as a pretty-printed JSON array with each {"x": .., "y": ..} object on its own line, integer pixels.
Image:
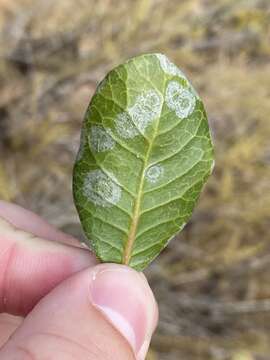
[{"x": 126, "y": 300}]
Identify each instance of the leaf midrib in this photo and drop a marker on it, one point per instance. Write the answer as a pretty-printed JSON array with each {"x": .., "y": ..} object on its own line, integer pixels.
[{"x": 137, "y": 205}]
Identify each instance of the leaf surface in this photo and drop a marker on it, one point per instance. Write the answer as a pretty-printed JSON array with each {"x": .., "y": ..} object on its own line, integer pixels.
[{"x": 144, "y": 156}]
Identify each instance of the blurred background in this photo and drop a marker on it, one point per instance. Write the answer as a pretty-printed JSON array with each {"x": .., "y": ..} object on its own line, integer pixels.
[{"x": 212, "y": 282}]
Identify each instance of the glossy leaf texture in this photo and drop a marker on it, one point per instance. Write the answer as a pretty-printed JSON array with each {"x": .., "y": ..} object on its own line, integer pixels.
[{"x": 144, "y": 157}]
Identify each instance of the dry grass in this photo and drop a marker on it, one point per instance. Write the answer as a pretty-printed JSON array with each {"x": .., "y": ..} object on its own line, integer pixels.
[{"x": 212, "y": 282}]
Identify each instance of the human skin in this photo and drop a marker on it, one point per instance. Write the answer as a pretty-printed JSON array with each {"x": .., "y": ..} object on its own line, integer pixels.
[{"x": 56, "y": 302}]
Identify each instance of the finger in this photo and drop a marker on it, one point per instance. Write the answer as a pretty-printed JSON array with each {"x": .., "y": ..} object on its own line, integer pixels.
[
  {"x": 107, "y": 312},
  {"x": 32, "y": 223},
  {"x": 31, "y": 266},
  {"x": 8, "y": 324},
  {"x": 28, "y": 221}
]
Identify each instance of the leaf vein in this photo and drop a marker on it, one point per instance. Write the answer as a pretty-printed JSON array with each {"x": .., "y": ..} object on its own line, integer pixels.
[
  {"x": 161, "y": 223},
  {"x": 194, "y": 136},
  {"x": 115, "y": 205},
  {"x": 110, "y": 244},
  {"x": 163, "y": 186},
  {"x": 105, "y": 221},
  {"x": 172, "y": 200}
]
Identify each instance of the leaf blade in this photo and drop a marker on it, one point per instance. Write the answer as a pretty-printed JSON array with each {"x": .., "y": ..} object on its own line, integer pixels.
[{"x": 145, "y": 154}]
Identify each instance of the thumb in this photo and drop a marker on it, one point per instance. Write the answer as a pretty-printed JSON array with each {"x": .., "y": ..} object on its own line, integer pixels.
[{"x": 106, "y": 312}]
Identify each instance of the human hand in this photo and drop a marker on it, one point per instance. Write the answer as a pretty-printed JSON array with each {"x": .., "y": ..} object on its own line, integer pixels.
[{"x": 69, "y": 307}]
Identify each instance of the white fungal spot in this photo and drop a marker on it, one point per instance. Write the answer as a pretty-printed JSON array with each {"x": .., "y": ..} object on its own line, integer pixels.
[
  {"x": 171, "y": 69},
  {"x": 168, "y": 67},
  {"x": 154, "y": 173},
  {"x": 147, "y": 108},
  {"x": 125, "y": 127},
  {"x": 99, "y": 139},
  {"x": 101, "y": 189},
  {"x": 179, "y": 99}
]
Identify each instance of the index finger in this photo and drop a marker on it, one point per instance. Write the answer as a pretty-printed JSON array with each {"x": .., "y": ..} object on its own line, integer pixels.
[
  {"x": 32, "y": 223},
  {"x": 31, "y": 266}
]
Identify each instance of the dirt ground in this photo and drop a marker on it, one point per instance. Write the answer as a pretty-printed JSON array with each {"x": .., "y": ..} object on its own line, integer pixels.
[{"x": 212, "y": 282}]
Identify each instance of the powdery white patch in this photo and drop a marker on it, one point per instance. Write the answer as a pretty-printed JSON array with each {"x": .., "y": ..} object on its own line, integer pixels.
[
  {"x": 154, "y": 173},
  {"x": 147, "y": 107},
  {"x": 168, "y": 67},
  {"x": 99, "y": 139},
  {"x": 125, "y": 127},
  {"x": 171, "y": 69},
  {"x": 179, "y": 99},
  {"x": 101, "y": 189}
]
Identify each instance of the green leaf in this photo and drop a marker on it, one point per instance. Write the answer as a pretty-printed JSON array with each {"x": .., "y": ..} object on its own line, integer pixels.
[{"x": 145, "y": 154}]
